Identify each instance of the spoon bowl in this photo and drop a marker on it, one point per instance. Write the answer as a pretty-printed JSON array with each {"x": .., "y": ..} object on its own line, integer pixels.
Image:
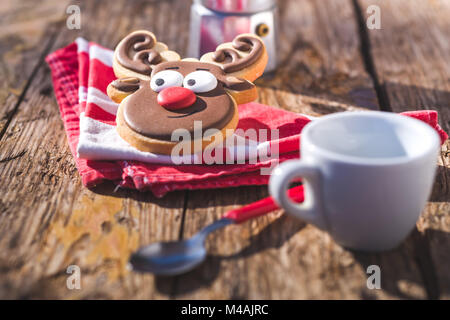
[
  {"x": 177, "y": 257},
  {"x": 169, "y": 258}
]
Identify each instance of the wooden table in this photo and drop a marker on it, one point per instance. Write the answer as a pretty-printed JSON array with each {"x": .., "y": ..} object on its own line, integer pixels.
[{"x": 329, "y": 62}]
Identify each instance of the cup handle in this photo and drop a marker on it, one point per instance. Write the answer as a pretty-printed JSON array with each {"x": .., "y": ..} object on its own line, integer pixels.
[{"x": 311, "y": 210}]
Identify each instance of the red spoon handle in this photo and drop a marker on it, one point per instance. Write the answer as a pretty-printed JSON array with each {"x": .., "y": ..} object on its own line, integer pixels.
[{"x": 261, "y": 207}]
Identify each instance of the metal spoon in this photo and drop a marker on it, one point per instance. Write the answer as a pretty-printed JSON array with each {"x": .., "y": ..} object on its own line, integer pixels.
[{"x": 177, "y": 257}]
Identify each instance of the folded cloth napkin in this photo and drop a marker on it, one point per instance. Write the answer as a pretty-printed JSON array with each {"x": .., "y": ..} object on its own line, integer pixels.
[{"x": 82, "y": 71}]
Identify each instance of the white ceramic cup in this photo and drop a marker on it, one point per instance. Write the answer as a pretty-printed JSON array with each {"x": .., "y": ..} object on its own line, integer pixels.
[{"x": 367, "y": 177}]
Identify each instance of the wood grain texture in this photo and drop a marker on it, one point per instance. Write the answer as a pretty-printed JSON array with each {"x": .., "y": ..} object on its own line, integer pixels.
[
  {"x": 49, "y": 221},
  {"x": 25, "y": 36},
  {"x": 411, "y": 55},
  {"x": 320, "y": 69},
  {"x": 278, "y": 257}
]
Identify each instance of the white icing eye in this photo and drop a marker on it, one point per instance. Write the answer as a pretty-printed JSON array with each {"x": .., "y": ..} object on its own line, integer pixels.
[
  {"x": 165, "y": 79},
  {"x": 200, "y": 81}
]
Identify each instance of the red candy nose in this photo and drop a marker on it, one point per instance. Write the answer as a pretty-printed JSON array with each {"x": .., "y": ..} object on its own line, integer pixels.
[{"x": 175, "y": 98}]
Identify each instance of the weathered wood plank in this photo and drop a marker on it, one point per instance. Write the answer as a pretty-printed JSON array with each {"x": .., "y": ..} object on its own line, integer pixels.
[
  {"x": 320, "y": 59},
  {"x": 411, "y": 54},
  {"x": 278, "y": 257},
  {"x": 48, "y": 220},
  {"x": 24, "y": 37}
]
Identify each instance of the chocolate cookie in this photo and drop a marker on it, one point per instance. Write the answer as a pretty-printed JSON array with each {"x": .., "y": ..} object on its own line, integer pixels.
[{"x": 162, "y": 96}]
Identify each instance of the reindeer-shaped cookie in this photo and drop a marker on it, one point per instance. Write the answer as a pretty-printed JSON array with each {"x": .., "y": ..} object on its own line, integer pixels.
[{"x": 159, "y": 93}]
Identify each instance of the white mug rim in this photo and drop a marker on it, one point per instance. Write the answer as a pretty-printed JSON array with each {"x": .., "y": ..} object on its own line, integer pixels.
[{"x": 415, "y": 124}]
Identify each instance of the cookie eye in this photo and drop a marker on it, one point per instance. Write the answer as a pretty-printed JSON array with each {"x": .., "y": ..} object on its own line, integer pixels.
[
  {"x": 200, "y": 81},
  {"x": 165, "y": 79}
]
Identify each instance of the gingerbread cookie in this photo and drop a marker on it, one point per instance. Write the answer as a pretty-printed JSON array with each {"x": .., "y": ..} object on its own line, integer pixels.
[{"x": 159, "y": 93}]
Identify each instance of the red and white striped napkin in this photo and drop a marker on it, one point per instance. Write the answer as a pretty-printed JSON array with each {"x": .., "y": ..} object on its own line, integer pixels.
[{"x": 81, "y": 73}]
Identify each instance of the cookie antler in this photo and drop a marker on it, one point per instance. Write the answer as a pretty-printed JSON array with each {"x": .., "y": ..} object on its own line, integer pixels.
[
  {"x": 239, "y": 58},
  {"x": 138, "y": 53},
  {"x": 250, "y": 45}
]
